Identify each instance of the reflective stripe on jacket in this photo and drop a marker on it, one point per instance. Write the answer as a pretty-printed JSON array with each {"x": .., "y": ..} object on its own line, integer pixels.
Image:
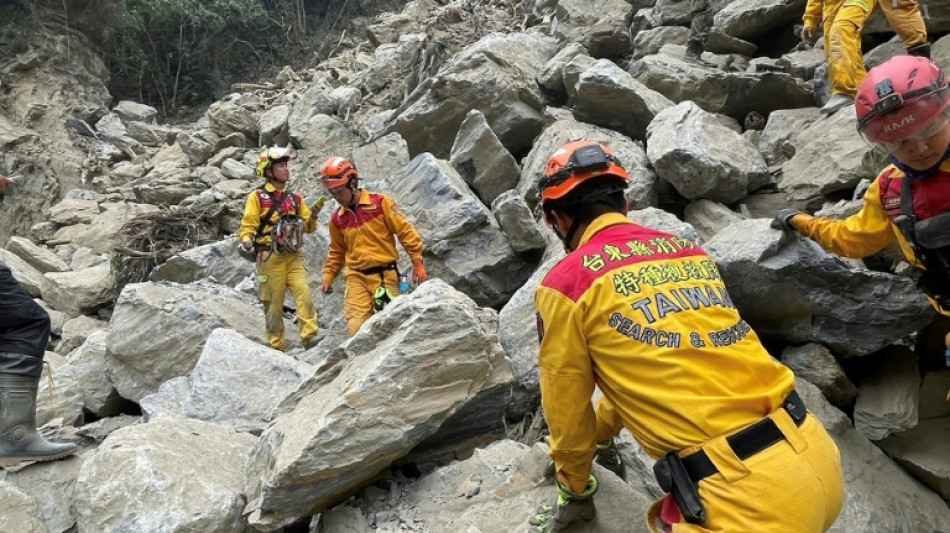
[
  {"x": 645, "y": 315},
  {"x": 253, "y": 211},
  {"x": 365, "y": 237}
]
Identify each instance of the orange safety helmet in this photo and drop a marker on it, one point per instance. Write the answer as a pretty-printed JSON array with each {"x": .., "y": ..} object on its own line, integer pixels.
[
  {"x": 337, "y": 172},
  {"x": 270, "y": 156},
  {"x": 576, "y": 163}
]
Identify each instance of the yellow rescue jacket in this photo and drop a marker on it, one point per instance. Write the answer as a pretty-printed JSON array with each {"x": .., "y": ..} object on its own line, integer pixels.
[
  {"x": 645, "y": 315},
  {"x": 253, "y": 211},
  {"x": 870, "y": 230},
  {"x": 363, "y": 238}
]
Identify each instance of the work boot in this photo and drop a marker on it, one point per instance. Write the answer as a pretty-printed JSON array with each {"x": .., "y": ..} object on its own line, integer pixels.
[
  {"x": 310, "y": 342},
  {"x": 921, "y": 50},
  {"x": 835, "y": 103},
  {"x": 608, "y": 457},
  {"x": 19, "y": 440},
  {"x": 567, "y": 509}
]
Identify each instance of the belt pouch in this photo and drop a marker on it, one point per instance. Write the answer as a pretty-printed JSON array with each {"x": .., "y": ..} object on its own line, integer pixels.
[{"x": 673, "y": 478}]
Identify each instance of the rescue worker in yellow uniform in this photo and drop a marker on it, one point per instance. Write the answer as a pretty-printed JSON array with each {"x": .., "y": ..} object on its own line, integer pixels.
[
  {"x": 903, "y": 108},
  {"x": 646, "y": 317},
  {"x": 843, "y": 22},
  {"x": 274, "y": 222},
  {"x": 362, "y": 237}
]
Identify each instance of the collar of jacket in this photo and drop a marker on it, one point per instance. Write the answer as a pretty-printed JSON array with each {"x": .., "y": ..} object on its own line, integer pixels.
[
  {"x": 271, "y": 189},
  {"x": 602, "y": 222},
  {"x": 364, "y": 200},
  {"x": 921, "y": 174}
]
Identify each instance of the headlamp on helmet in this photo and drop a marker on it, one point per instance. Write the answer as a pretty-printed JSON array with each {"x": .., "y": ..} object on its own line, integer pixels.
[
  {"x": 576, "y": 163},
  {"x": 904, "y": 98}
]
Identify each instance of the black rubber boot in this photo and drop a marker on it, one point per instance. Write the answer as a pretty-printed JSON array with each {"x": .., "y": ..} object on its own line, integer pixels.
[
  {"x": 921, "y": 50},
  {"x": 19, "y": 441}
]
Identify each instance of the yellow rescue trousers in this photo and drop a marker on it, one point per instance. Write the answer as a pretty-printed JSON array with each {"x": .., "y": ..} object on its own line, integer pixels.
[
  {"x": 277, "y": 273},
  {"x": 793, "y": 486},
  {"x": 843, "y": 44},
  {"x": 905, "y": 18},
  {"x": 358, "y": 298}
]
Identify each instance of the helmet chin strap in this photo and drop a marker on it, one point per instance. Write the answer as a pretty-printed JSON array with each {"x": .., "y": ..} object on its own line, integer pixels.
[{"x": 567, "y": 238}]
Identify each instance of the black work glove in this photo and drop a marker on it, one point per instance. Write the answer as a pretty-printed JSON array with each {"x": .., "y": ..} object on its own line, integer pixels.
[{"x": 782, "y": 219}]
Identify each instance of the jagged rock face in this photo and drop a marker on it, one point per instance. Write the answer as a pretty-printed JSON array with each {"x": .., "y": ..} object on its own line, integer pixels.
[
  {"x": 412, "y": 367},
  {"x": 50, "y": 488},
  {"x": 495, "y": 76},
  {"x": 463, "y": 243},
  {"x": 481, "y": 160},
  {"x": 143, "y": 478},
  {"x": 789, "y": 288},
  {"x": 54, "y": 79}
]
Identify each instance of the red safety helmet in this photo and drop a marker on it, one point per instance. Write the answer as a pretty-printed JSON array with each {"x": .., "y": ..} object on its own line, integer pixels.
[
  {"x": 574, "y": 164},
  {"x": 337, "y": 172},
  {"x": 903, "y": 98}
]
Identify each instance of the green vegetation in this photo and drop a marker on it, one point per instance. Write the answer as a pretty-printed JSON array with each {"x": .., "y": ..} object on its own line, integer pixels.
[{"x": 175, "y": 53}]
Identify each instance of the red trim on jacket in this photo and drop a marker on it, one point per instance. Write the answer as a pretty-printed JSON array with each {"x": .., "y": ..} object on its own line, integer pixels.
[
  {"x": 615, "y": 247},
  {"x": 351, "y": 219}
]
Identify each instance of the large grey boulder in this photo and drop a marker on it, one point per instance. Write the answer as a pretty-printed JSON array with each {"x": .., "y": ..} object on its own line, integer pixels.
[
  {"x": 888, "y": 396},
  {"x": 922, "y": 452},
  {"x": 642, "y": 189},
  {"x": 140, "y": 361},
  {"x": 80, "y": 292},
  {"x": 607, "y": 96},
  {"x": 173, "y": 475},
  {"x": 236, "y": 381},
  {"x": 50, "y": 487},
  {"x": 481, "y": 159},
  {"x": 880, "y": 497},
  {"x": 236, "y": 113},
  {"x": 104, "y": 231},
  {"x": 816, "y": 365},
  {"x": 86, "y": 370},
  {"x": 701, "y": 158},
  {"x": 516, "y": 221},
  {"x": 218, "y": 261},
  {"x": 463, "y": 244},
  {"x": 751, "y": 19},
  {"x": 380, "y": 159},
  {"x": 19, "y": 510},
  {"x": 413, "y": 366},
  {"x": 708, "y": 217},
  {"x": 602, "y": 30},
  {"x": 272, "y": 126},
  {"x": 730, "y": 93},
  {"x": 39, "y": 257},
  {"x": 779, "y": 140},
  {"x": 829, "y": 157},
  {"x": 496, "y": 75},
  {"x": 26, "y": 275},
  {"x": 789, "y": 288}
]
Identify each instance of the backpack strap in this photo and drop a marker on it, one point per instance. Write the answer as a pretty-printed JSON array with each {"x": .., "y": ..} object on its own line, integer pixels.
[{"x": 270, "y": 212}]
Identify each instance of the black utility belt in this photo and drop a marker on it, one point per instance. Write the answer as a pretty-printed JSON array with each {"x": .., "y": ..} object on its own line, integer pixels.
[
  {"x": 377, "y": 269},
  {"x": 749, "y": 441},
  {"x": 680, "y": 476}
]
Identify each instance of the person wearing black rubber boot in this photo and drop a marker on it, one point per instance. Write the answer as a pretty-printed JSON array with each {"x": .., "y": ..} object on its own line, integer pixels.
[{"x": 24, "y": 334}]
